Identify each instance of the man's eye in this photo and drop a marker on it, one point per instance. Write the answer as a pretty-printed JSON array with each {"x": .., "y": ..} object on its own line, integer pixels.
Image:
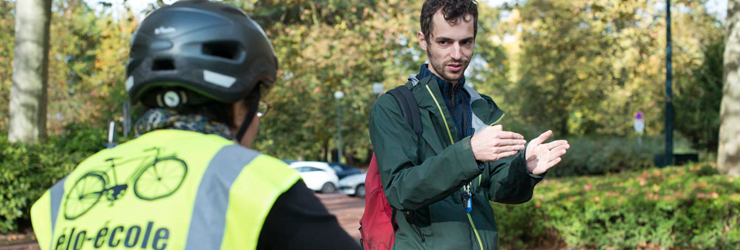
[{"x": 442, "y": 42}]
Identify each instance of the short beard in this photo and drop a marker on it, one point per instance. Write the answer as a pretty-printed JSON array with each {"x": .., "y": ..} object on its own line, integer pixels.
[{"x": 441, "y": 73}]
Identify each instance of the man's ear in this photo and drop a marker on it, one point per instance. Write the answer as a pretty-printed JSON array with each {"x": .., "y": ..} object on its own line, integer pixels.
[
  {"x": 422, "y": 40},
  {"x": 238, "y": 113}
]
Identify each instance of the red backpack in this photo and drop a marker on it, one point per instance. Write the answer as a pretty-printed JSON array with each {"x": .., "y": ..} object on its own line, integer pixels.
[{"x": 378, "y": 224}]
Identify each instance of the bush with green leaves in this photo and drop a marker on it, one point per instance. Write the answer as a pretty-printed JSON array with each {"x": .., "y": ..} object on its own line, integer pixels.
[
  {"x": 28, "y": 170},
  {"x": 598, "y": 156},
  {"x": 690, "y": 207},
  {"x": 698, "y": 98}
]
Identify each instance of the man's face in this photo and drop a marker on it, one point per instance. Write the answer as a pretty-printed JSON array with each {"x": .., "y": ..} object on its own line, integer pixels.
[{"x": 449, "y": 46}]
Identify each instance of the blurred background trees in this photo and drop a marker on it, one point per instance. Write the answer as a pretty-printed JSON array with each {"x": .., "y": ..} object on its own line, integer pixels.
[{"x": 582, "y": 68}]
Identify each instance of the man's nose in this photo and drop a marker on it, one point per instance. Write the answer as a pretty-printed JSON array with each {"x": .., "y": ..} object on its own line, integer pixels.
[{"x": 456, "y": 53}]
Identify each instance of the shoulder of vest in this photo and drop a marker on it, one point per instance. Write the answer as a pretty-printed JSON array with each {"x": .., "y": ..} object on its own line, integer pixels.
[{"x": 237, "y": 155}]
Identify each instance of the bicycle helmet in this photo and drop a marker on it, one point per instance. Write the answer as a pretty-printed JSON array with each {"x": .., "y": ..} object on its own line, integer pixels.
[
  {"x": 195, "y": 52},
  {"x": 210, "y": 48}
]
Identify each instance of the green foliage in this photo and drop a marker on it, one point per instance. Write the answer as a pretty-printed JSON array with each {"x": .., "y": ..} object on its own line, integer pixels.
[
  {"x": 7, "y": 32},
  {"x": 586, "y": 67},
  {"x": 89, "y": 49},
  {"x": 589, "y": 156},
  {"x": 698, "y": 99},
  {"x": 27, "y": 171},
  {"x": 325, "y": 46},
  {"x": 599, "y": 155},
  {"x": 87, "y": 57},
  {"x": 673, "y": 208}
]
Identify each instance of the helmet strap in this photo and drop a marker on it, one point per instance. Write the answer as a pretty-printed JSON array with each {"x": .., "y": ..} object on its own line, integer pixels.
[{"x": 248, "y": 119}]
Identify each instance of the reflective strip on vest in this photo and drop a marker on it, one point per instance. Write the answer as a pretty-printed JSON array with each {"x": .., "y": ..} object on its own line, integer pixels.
[
  {"x": 46, "y": 211},
  {"x": 208, "y": 222},
  {"x": 252, "y": 196},
  {"x": 252, "y": 182},
  {"x": 57, "y": 192}
]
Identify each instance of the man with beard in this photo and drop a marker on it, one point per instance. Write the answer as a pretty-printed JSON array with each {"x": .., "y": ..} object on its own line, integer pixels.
[{"x": 440, "y": 184}]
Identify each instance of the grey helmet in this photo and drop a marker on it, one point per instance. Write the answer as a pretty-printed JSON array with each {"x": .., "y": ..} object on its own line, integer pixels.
[{"x": 193, "y": 52}]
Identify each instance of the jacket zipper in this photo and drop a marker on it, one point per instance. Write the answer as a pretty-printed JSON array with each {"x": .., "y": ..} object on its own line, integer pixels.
[
  {"x": 452, "y": 96},
  {"x": 447, "y": 126},
  {"x": 475, "y": 230}
]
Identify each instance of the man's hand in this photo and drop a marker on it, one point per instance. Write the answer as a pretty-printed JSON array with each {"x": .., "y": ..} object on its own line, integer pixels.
[
  {"x": 492, "y": 144},
  {"x": 541, "y": 157}
]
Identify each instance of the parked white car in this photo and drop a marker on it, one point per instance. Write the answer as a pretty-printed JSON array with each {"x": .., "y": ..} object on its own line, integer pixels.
[
  {"x": 353, "y": 185},
  {"x": 318, "y": 176}
]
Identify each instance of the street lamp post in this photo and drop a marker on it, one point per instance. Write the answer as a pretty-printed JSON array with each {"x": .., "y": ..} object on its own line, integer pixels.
[
  {"x": 339, "y": 95},
  {"x": 669, "y": 93}
]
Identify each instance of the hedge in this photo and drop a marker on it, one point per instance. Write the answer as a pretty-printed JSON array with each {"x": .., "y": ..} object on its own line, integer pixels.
[
  {"x": 28, "y": 170},
  {"x": 615, "y": 154},
  {"x": 690, "y": 207}
]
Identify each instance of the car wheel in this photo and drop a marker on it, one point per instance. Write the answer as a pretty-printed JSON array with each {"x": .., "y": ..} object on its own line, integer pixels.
[
  {"x": 328, "y": 188},
  {"x": 360, "y": 191}
]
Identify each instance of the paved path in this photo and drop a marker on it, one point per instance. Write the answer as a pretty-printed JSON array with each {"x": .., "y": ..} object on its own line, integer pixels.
[{"x": 348, "y": 211}]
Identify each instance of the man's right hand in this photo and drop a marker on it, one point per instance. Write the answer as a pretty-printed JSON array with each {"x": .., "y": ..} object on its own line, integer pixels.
[{"x": 492, "y": 144}]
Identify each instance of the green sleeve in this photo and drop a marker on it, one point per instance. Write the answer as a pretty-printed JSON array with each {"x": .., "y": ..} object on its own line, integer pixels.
[
  {"x": 408, "y": 185},
  {"x": 509, "y": 181}
]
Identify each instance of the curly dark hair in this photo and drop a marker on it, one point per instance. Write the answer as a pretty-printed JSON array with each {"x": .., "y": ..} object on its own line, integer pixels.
[{"x": 452, "y": 10}]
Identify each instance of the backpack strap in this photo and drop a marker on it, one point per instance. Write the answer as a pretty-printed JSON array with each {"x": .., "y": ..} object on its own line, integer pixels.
[{"x": 409, "y": 108}]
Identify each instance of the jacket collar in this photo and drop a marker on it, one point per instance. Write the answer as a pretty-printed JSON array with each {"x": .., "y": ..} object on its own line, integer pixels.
[
  {"x": 426, "y": 91},
  {"x": 426, "y": 101}
]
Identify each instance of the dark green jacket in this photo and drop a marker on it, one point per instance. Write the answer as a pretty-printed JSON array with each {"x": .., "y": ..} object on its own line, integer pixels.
[{"x": 423, "y": 177}]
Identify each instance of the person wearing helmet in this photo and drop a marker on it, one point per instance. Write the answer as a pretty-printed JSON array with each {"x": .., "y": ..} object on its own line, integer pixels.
[{"x": 189, "y": 181}]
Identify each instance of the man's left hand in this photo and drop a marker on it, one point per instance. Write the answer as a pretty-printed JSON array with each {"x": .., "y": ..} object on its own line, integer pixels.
[{"x": 541, "y": 157}]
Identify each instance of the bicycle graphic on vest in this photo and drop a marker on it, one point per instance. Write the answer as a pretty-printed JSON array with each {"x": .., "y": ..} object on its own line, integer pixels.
[{"x": 151, "y": 181}]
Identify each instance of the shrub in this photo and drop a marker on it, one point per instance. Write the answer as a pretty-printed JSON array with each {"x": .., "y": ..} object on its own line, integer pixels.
[
  {"x": 687, "y": 207},
  {"x": 698, "y": 98},
  {"x": 28, "y": 170},
  {"x": 588, "y": 156}
]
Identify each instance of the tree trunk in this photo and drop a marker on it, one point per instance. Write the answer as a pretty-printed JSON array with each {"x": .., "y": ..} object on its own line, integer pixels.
[
  {"x": 28, "y": 95},
  {"x": 326, "y": 151},
  {"x": 349, "y": 156},
  {"x": 728, "y": 156}
]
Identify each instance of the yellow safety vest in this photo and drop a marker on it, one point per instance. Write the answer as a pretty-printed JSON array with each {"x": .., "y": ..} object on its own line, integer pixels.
[{"x": 168, "y": 189}]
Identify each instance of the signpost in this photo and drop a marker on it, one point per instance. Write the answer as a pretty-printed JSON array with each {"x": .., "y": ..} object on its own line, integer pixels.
[{"x": 639, "y": 125}]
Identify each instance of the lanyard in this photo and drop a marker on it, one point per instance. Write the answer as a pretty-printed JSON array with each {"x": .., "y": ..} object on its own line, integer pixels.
[{"x": 467, "y": 198}]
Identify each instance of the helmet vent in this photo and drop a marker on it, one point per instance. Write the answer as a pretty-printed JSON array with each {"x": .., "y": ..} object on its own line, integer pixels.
[
  {"x": 163, "y": 64},
  {"x": 224, "y": 49}
]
